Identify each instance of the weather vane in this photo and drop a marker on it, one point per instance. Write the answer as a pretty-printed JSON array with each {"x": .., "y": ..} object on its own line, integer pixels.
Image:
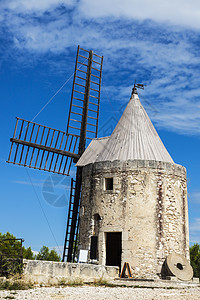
[{"x": 139, "y": 86}]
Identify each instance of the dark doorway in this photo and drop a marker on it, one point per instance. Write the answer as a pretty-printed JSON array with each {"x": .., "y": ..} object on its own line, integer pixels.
[
  {"x": 114, "y": 249},
  {"x": 93, "y": 247}
]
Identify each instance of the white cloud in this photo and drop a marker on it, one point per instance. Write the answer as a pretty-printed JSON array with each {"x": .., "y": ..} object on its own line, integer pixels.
[
  {"x": 167, "y": 57},
  {"x": 178, "y": 12},
  {"x": 180, "y": 117}
]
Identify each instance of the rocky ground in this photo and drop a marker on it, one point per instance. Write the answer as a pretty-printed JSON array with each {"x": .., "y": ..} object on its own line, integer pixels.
[{"x": 100, "y": 293}]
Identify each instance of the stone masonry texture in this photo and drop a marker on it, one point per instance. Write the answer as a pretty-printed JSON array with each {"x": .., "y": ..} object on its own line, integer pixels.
[{"x": 148, "y": 204}]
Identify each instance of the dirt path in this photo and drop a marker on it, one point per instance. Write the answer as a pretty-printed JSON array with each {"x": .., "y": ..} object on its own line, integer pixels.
[{"x": 100, "y": 293}]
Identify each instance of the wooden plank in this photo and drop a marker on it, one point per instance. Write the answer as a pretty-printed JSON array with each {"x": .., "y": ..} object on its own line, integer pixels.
[
  {"x": 91, "y": 124},
  {"x": 82, "y": 71},
  {"x": 29, "y": 141},
  {"x": 84, "y": 50},
  {"x": 54, "y": 153},
  {"x": 97, "y": 83},
  {"x": 40, "y": 144},
  {"x": 79, "y": 62},
  {"x": 92, "y": 118},
  {"x": 83, "y": 56},
  {"x": 64, "y": 149},
  {"x": 78, "y": 99},
  {"x": 98, "y": 55},
  {"x": 73, "y": 112},
  {"x": 94, "y": 97},
  {"x": 74, "y": 127},
  {"x": 93, "y": 103},
  {"x": 22, "y": 150},
  {"x": 95, "y": 76},
  {"x": 37, "y": 168},
  {"x": 80, "y": 77},
  {"x": 19, "y": 137},
  {"x": 60, "y": 148},
  {"x": 96, "y": 62},
  {"x": 80, "y": 84},
  {"x": 39, "y": 124},
  {"x": 99, "y": 95},
  {"x": 45, "y": 148},
  {"x": 51, "y": 147},
  {"x": 96, "y": 69},
  {"x": 77, "y": 106},
  {"x": 92, "y": 110},
  {"x": 73, "y": 89},
  {"x": 94, "y": 90}
]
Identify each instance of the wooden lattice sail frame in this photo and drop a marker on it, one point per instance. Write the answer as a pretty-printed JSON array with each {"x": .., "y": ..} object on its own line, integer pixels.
[{"x": 40, "y": 147}]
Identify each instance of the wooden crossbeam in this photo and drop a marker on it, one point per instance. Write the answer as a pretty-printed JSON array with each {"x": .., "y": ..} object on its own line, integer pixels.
[
  {"x": 41, "y": 147},
  {"x": 45, "y": 148},
  {"x": 93, "y": 71}
]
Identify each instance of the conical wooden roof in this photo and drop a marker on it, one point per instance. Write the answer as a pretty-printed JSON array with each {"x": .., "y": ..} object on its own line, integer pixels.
[{"x": 134, "y": 137}]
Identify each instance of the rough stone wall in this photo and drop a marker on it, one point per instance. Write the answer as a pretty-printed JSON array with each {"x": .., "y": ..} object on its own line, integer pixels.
[
  {"x": 53, "y": 272},
  {"x": 148, "y": 204}
]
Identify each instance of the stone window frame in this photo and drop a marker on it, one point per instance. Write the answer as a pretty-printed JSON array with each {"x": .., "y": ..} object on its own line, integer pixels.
[
  {"x": 108, "y": 182},
  {"x": 115, "y": 183}
]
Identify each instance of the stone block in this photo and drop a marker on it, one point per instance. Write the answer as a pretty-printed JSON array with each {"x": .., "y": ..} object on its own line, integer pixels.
[
  {"x": 141, "y": 163},
  {"x": 52, "y": 272},
  {"x": 195, "y": 279}
]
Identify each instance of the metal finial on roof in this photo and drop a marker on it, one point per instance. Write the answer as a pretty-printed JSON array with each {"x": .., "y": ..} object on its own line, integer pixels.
[
  {"x": 137, "y": 85},
  {"x": 134, "y": 90}
]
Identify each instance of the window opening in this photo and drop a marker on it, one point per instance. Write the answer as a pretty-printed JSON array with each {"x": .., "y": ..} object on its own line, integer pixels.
[{"x": 109, "y": 184}]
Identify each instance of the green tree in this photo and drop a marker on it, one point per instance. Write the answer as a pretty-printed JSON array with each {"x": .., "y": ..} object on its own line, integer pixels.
[
  {"x": 195, "y": 259},
  {"x": 44, "y": 254},
  {"x": 28, "y": 253},
  {"x": 11, "y": 247},
  {"x": 11, "y": 254},
  {"x": 53, "y": 256}
]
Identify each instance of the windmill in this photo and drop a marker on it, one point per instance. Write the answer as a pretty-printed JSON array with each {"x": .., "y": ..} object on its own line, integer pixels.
[{"x": 40, "y": 147}]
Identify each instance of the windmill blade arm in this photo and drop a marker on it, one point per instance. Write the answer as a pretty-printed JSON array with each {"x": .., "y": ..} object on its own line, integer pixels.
[
  {"x": 85, "y": 98},
  {"x": 45, "y": 148},
  {"x": 40, "y": 147}
]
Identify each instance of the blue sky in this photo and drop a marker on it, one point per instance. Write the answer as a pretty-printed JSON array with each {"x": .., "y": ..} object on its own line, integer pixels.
[{"x": 154, "y": 42}]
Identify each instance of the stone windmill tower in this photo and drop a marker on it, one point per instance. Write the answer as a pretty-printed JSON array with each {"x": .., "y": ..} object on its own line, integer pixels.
[{"x": 134, "y": 197}]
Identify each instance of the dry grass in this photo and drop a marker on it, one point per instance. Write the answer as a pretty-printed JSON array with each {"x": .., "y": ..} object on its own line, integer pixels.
[{"x": 15, "y": 283}]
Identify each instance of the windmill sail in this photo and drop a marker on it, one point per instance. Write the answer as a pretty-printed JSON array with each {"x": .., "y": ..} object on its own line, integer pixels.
[
  {"x": 85, "y": 98},
  {"x": 41, "y": 147},
  {"x": 83, "y": 121}
]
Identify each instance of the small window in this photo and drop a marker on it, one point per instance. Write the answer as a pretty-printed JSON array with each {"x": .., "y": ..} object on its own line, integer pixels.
[{"x": 109, "y": 184}]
